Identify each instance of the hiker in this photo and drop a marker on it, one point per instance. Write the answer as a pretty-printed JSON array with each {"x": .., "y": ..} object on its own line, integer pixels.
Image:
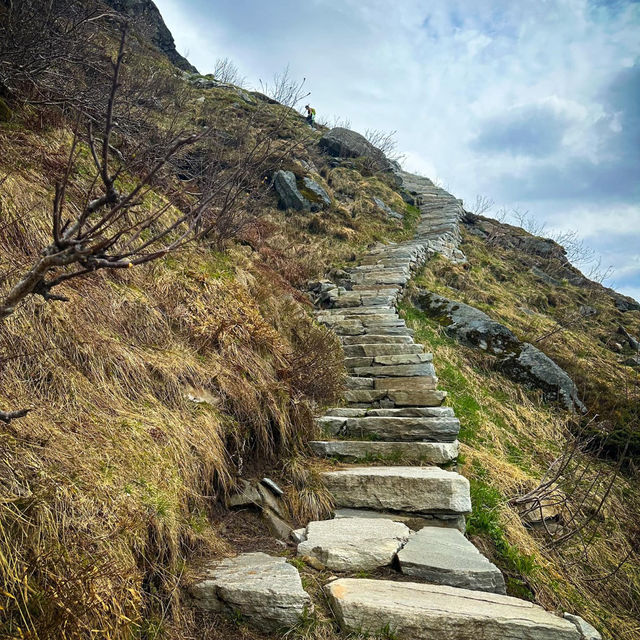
[{"x": 311, "y": 114}]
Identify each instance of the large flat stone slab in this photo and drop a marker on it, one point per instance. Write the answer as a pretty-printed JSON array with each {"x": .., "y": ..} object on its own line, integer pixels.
[
  {"x": 403, "y": 428},
  {"x": 420, "y": 398},
  {"x": 372, "y": 350},
  {"x": 358, "y": 544},
  {"x": 372, "y": 338},
  {"x": 411, "y": 489},
  {"x": 426, "y": 382},
  {"x": 265, "y": 589},
  {"x": 414, "y": 611},
  {"x": 445, "y": 556},
  {"x": 400, "y": 370},
  {"x": 428, "y": 453}
]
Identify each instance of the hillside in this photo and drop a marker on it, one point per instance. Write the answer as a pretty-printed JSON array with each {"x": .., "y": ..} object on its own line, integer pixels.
[{"x": 186, "y": 361}]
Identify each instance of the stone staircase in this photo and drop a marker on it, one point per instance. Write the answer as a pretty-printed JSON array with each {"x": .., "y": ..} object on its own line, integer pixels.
[
  {"x": 394, "y": 418},
  {"x": 396, "y": 506}
]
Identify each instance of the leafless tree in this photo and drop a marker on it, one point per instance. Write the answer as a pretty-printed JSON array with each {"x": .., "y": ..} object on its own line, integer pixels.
[
  {"x": 482, "y": 205},
  {"x": 386, "y": 142},
  {"x": 573, "y": 492},
  {"x": 225, "y": 70},
  {"x": 285, "y": 89}
]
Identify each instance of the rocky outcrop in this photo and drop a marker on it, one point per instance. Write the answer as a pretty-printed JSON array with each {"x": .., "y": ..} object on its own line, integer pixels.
[
  {"x": 148, "y": 21},
  {"x": 344, "y": 143},
  {"x": 265, "y": 589},
  {"x": 546, "y": 259},
  {"x": 300, "y": 194},
  {"x": 521, "y": 361},
  {"x": 465, "y": 323}
]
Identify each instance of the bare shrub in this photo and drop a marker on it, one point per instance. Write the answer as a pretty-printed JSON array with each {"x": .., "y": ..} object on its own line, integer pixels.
[
  {"x": 386, "y": 142},
  {"x": 225, "y": 70},
  {"x": 482, "y": 205},
  {"x": 285, "y": 89}
]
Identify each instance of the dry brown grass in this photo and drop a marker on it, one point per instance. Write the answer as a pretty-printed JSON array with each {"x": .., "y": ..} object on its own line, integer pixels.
[{"x": 511, "y": 437}]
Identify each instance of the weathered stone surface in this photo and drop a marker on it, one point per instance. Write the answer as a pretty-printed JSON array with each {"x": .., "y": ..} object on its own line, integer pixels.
[
  {"x": 532, "y": 367},
  {"x": 287, "y": 190},
  {"x": 403, "y": 428},
  {"x": 332, "y": 425},
  {"x": 354, "y": 382},
  {"x": 377, "y": 339},
  {"x": 247, "y": 496},
  {"x": 317, "y": 197},
  {"x": 416, "y": 398},
  {"x": 415, "y": 522},
  {"x": 387, "y": 209},
  {"x": 400, "y": 370},
  {"x": 401, "y": 383},
  {"x": 278, "y": 527},
  {"x": 467, "y": 324},
  {"x": 445, "y": 556},
  {"x": 411, "y": 489},
  {"x": 588, "y": 632},
  {"x": 404, "y": 452},
  {"x": 356, "y": 544},
  {"x": 427, "y": 612},
  {"x": 371, "y": 350},
  {"x": 265, "y": 589},
  {"x": 408, "y": 412}
]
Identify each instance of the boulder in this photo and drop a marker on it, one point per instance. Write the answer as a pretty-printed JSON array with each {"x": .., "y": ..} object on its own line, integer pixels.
[
  {"x": 533, "y": 368},
  {"x": 468, "y": 325},
  {"x": 414, "y": 611},
  {"x": 633, "y": 361},
  {"x": 445, "y": 556},
  {"x": 344, "y": 143},
  {"x": 354, "y": 544},
  {"x": 287, "y": 189},
  {"x": 265, "y": 589}
]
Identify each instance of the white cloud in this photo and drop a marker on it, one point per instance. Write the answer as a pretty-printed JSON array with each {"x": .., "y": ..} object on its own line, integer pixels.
[{"x": 435, "y": 71}]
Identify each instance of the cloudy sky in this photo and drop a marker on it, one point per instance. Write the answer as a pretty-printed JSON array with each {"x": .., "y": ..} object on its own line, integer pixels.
[{"x": 534, "y": 103}]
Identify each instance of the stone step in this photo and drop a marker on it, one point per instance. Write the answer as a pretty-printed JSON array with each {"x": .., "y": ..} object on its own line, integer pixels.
[
  {"x": 357, "y": 311},
  {"x": 410, "y": 489},
  {"x": 266, "y": 590},
  {"x": 413, "y": 611},
  {"x": 354, "y": 544},
  {"x": 372, "y": 350},
  {"x": 406, "y": 383},
  {"x": 372, "y": 338},
  {"x": 445, "y": 556},
  {"x": 420, "y": 398},
  {"x": 383, "y": 320},
  {"x": 425, "y": 369},
  {"x": 355, "y": 382},
  {"x": 394, "y": 428},
  {"x": 427, "y": 453},
  {"x": 411, "y": 412},
  {"x": 414, "y": 521},
  {"x": 415, "y": 412},
  {"x": 355, "y": 328},
  {"x": 358, "y": 362}
]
